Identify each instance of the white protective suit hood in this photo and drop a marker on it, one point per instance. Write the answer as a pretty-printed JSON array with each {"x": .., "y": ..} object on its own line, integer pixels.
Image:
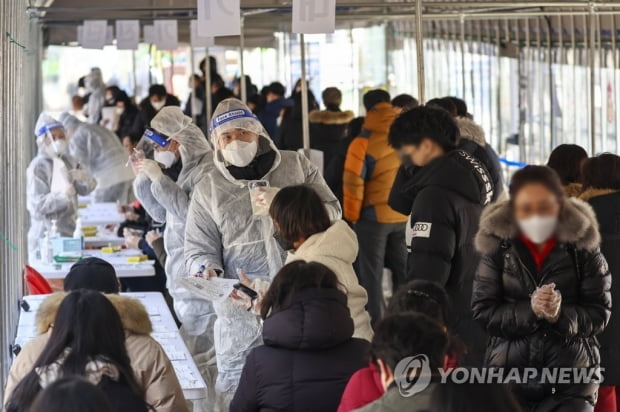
[
  {"x": 234, "y": 114},
  {"x": 171, "y": 122},
  {"x": 45, "y": 123},
  {"x": 94, "y": 80},
  {"x": 100, "y": 151}
]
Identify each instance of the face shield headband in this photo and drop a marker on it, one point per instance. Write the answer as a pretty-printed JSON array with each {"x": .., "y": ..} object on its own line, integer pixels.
[
  {"x": 48, "y": 128},
  {"x": 158, "y": 138},
  {"x": 228, "y": 117}
]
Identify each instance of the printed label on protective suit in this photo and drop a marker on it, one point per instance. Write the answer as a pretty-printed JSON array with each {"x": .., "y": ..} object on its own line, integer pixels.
[{"x": 422, "y": 229}]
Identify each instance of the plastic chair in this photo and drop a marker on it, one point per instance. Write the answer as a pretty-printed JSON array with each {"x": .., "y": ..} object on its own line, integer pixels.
[{"x": 37, "y": 285}]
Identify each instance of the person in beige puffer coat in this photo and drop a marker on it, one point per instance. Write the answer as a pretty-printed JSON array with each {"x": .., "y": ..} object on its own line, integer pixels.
[
  {"x": 304, "y": 230},
  {"x": 154, "y": 371}
]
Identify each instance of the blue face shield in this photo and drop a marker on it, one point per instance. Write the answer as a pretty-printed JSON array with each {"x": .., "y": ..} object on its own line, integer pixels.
[
  {"x": 48, "y": 128},
  {"x": 159, "y": 139}
]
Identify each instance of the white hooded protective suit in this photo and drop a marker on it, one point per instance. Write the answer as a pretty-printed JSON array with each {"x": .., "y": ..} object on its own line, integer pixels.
[
  {"x": 168, "y": 201},
  {"x": 45, "y": 202},
  {"x": 223, "y": 234},
  {"x": 100, "y": 150},
  {"x": 96, "y": 87}
]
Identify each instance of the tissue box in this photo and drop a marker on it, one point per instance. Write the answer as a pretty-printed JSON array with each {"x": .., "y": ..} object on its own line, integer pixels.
[{"x": 67, "y": 246}]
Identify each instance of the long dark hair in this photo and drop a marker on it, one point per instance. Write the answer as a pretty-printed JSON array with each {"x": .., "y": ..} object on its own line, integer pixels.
[
  {"x": 293, "y": 278},
  {"x": 90, "y": 326},
  {"x": 72, "y": 394}
]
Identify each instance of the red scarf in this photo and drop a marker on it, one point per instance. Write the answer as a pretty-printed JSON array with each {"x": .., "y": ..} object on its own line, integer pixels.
[{"x": 539, "y": 256}]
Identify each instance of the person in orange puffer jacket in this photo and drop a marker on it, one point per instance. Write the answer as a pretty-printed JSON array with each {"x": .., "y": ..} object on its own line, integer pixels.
[{"x": 369, "y": 172}]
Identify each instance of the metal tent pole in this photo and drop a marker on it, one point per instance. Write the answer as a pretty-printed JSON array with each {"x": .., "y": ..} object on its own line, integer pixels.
[
  {"x": 462, "y": 41},
  {"x": 304, "y": 95},
  {"x": 193, "y": 90},
  {"x": 591, "y": 57},
  {"x": 244, "y": 92},
  {"x": 208, "y": 97},
  {"x": 419, "y": 50}
]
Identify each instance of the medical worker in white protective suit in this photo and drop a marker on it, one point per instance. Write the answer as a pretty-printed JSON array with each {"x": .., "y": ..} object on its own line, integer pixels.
[
  {"x": 100, "y": 150},
  {"x": 224, "y": 235},
  {"x": 96, "y": 88},
  {"x": 54, "y": 181},
  {"x": 177, "y": 140}
]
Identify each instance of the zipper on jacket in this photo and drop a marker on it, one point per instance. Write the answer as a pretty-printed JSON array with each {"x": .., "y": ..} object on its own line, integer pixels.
[{"x": 532, "y": 278}]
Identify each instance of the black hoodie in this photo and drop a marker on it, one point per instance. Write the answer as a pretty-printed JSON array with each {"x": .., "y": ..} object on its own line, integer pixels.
[
  {"x": 447, "y": 197},
  {"x": 307, "y": 359}
]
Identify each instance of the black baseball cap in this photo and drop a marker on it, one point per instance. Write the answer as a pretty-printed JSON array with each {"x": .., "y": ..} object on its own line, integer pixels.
[{"x": 92, "y": 273}]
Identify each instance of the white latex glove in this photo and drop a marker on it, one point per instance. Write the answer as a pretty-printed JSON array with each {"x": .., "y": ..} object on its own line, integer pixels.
[
  {"x": 546, "y": 302},
  {"x": 151, "y": 169},
  {"x": 132, "y": 242},
  {"x": 265, "y": 196},
  {"x": 78, "y": 175},
  {"x": 552, "y": 309},
  {"x": 152, "y": 236},
  {"x": 70, "y": 191},
  {"x": 241, "y": 299}
]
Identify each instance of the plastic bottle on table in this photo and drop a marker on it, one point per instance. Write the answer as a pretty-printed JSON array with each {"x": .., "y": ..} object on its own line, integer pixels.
[
  {"x": 77, "y": 233},
  {"x": 54, "y": 231},
  {"x": 47, "y": 250}
]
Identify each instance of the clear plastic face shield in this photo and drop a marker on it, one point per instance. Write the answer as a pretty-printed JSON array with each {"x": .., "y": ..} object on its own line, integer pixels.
[
  {"x": 52, "y": 138},
  {"x": 235, "y": 134},
  {"x": 157, "y": 146}
]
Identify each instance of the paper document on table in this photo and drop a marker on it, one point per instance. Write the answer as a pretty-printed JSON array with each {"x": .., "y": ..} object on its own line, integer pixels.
[{"x": 213, "y": 289}]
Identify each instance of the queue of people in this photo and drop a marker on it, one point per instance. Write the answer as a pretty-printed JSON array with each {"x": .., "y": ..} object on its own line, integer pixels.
[{"x": 489, "y": 276}]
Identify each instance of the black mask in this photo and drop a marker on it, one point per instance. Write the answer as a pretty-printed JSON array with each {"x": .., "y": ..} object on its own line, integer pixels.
[
  {"x": 286, "y": 245},
  {"x": 406, "y": 161}
]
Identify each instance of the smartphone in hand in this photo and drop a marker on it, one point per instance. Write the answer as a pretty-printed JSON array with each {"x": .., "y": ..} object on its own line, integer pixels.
[{"x": 242, "y": 288}]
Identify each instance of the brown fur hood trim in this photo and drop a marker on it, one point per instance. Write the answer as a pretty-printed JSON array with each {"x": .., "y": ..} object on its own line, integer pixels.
[
  {"x": 573, "y": 189},
  {"x": 577, "y": 226},
  {"x": 133, "y": 314},
  {"x": 330, "y": 117},
  {"x": 470, "y": 130},
  {"x": 592, "y": 192}
]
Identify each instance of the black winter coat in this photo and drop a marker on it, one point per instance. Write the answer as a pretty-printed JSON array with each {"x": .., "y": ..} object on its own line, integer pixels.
[
  {"x": 446, "y": 198},
  {"x": 501, "y": 299},
  {"x": 327, "y": 130},
  {"x": 127, "y": 120},
  {"x": 146, "y": 114},
  {"x": 335, "y": 168},
  {"x": 307, "y": 359},
  {"x": 606, "y": 205}
]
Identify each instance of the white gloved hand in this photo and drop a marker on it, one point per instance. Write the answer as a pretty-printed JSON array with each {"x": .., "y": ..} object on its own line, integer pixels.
[
  {"x": 265, "y": 196},
  {"x": 151, "y": 169},
  {"x": 546, "y": 302},
  {"x": 70, "y": 191},
  {"x": 78, "y": 175},
  {"x": 241, "y": 299},
  {"x": 552, "y": 308}
]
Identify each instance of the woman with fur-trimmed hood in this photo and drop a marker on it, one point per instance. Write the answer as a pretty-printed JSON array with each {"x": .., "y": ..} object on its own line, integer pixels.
[
  {"x": 542, "y": 290},
  {"x": 153, "y": 370}
]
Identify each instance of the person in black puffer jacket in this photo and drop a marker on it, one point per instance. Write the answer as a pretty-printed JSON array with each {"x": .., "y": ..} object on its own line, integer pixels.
[
  {"x": 601, "y": 189},
  {"x": 444, "y": 191},
  {"x": 329, "y": 127},
  {"x": 309, "y": 353},
  {"x": 542, "y": 290}
]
